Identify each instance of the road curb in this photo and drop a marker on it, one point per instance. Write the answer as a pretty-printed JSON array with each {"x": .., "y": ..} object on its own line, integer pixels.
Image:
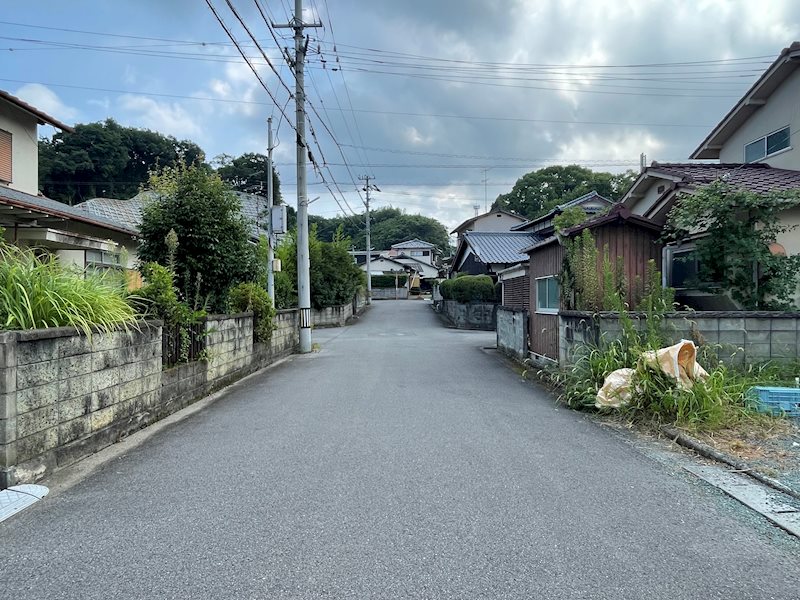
[{"x": 712, "y": 453}]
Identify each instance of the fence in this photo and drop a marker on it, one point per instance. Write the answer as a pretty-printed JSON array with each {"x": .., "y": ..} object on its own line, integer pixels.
[
  {"x": 512, "y": 332},
  {"x": 472, "y": 315},
  {"x": 182, "y": 343}
]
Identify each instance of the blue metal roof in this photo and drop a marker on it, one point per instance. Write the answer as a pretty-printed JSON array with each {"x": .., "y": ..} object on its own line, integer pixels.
[{"x": 500, "y": 246}]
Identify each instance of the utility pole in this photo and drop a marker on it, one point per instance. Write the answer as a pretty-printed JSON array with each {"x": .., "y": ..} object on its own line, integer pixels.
[
  {"x": 303, "y": 261},
  {"x": 485, "y": 191},
  {"x": 368, "y": 188},
  {"x": 270, "y": 203}
]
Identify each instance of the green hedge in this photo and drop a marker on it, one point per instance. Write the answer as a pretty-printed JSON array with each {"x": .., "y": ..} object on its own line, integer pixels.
[
  {"x": 469, "y": 288},
  {"x": 387, "y": 281}
]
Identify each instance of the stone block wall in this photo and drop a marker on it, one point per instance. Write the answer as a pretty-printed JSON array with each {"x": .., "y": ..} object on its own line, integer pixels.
[
  {"x": 333, "y": 316},
  {"x": 736, "y": 337},
  {"x": 65, "y": 396},
  {"x": 512, "y": 332},
  {"x": 474, "y": 315}
]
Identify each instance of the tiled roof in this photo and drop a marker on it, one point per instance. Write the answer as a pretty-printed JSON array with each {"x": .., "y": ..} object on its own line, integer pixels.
[
  {"x": 471, "y": 220},
  {"x": 562, "y": 207},
  {"x": 130, "y": 211},
  {"x": 59, "y": 209},
  {"x": 499, "y": 247},
  {"x": 415, "y": 243},
  {"x": 43, "y": 117},
  {"x": 755, "y": 177}
]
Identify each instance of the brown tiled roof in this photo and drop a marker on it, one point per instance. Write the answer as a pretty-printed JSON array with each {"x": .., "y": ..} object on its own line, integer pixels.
[
  {"x": 755, "y": 177},
  {"x": 42, "y": 116}
]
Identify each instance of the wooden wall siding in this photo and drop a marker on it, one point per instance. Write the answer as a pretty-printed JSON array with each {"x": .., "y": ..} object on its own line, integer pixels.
[
  {"x": 544, "y": 328},
  {"x": 517, "y": 293},
  {"x": 635, "y": 245}
]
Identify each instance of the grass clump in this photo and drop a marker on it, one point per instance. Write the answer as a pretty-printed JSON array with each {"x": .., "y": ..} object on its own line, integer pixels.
[{"x": 38, "y": 292}]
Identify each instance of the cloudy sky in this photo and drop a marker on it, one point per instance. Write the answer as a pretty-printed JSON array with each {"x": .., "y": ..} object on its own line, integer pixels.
[{"x": 430, "y": 97}]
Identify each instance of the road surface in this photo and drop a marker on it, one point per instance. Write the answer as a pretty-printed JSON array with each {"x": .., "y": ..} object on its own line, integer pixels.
[{"x": 400, "y": 461}]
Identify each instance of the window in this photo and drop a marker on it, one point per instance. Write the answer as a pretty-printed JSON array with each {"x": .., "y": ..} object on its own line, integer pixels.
[
  {"x": 416, "y": 253},
  {"x": 547, "y": 295},
  {"x": 683, "y": 269},
  {"x": 100, "y": 260},
  {"x": 767, "y": 145},
  {"x": 5, "y": 156}
]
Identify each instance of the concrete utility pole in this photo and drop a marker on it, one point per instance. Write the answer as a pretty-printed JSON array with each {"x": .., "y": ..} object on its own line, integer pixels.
[
  {"x": 368, "y": 188},
  {"x": 270, "y": 203},
  {"x": 303, "y": 260}
]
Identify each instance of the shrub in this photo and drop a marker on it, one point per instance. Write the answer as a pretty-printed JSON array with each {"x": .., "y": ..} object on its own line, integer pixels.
[
  {"x": 388, "y": 281},
  {"x": 469, "y": 288},
  {"x": 40, "y": 292},
  {"x": 251, "y": 297}
]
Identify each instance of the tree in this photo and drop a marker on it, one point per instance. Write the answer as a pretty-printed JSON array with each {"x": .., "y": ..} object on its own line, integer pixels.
[
  {"x": 735, "y": 254},
  {"x": 213, "y": 251},
  {"x": 247, "y": 173},
  {"x": 389, "y": 226},
  {"x": 106, "y": 159},
  {"x": 335, "y": 277},
  {"x": 537, "y": 192}
]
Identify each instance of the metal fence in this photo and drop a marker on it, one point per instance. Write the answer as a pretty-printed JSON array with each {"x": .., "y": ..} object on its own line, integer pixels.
[{"x": 182, "y": 343}]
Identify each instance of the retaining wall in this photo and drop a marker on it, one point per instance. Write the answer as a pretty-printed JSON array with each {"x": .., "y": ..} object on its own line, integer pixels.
[
  {"x": 736, "y": 337},
  {"x": 64, "y": 396},
  {"x": 473, "y": 315},
  {"x": 333, "y": 316},
  {"x": 400, "y": 293},
  {"x": 512, "y": 332}
]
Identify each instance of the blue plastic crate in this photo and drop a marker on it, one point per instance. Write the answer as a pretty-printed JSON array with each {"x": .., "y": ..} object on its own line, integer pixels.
[{"x": 776, "y": 400}]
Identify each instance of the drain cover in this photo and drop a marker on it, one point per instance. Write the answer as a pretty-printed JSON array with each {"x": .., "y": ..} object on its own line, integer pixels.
[{"x": 19, "y": 497}]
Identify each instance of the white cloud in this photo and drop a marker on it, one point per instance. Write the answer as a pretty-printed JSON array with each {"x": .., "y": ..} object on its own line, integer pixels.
[
  {"x": 413, "y": 135},
  {"x": 624, "y": 145},
  {"x": 166, "y": 117},
  {"x": 47, "y": 101}
]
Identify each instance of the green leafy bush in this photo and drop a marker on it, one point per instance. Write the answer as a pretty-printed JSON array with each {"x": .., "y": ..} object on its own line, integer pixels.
[
  {"x": 40, "y": 292},
  {"x": 388, "y": 281},
  {"x": 247, "y": 297},
  {"x": 469, "y": 288}
]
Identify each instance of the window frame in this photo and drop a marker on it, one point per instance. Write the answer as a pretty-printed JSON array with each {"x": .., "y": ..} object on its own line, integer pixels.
[
  {"x": 763, "y": 140},
  {"x": 548, "y": 310},
  {"x": 10, "y": 179}
]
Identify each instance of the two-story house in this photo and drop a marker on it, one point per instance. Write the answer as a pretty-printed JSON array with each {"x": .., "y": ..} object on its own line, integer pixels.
[
  {"x": 29, "y": 219},
  {"x": 494, "y": 220},
  {"x": 754, "y": 144}
]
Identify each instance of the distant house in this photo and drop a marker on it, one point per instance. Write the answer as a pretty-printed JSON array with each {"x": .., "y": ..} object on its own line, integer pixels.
[
  {"x": 591, "y": 203},
  {"x": 416, "y": 249},
  {"x": 29, "y": 219},
  {"x": 494, "y": 220},
  {"x": 489, "y": 252}
]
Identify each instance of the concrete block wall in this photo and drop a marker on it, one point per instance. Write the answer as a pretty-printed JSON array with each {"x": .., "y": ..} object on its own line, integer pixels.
[
  {"x": 333, "y": 316},
  {"x": 736, "y": 337},
  {"x": 400, "y": 293},
  {"x": 474, "y": 315},
  {"x": 229, "y": 344},
  {"x": 65, "y": 396},
  {"x": 512, "y": 332}
]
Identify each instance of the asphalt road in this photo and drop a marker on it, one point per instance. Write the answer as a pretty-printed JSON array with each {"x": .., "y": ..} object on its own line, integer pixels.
[{"x": 400, "y": 461}]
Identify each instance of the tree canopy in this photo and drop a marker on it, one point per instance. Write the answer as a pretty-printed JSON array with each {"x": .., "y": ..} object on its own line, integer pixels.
[
  {"x": 213, "y": 251},
  {"x": 106, "y": 159},
  {"x": 537, "y": 192},
  {"x": 247, "y": 173},
  {"x": 388, "y": 226}
]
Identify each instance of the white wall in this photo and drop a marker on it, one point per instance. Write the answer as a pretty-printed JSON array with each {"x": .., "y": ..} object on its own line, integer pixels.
[
  {"x": 495, "y": 221},
  {"x": 780, "y": 110},
  {"x": 24, "y": 147},
  {"x": 650, "y": 197}
]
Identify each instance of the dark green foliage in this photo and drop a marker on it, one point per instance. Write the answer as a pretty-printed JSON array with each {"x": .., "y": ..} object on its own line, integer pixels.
[
  {"x": 247, "y": 173},
  {"x": 471, "y": 288},
  {"x": 106, "y": 159},
  {"x": 335, "y": 278},
  {"x": 540, "y": 191},
  {"x": 388, "y": 281},
  {"x": 213, "y": 252},
  {"x": 734, "y": 253},
  {"x": 247, "y": 297},
  {"x": 571, "y": 217},
  {"x": 389, "y": 226}
]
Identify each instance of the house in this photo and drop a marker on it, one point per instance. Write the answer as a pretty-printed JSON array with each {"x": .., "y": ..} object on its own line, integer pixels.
[
  {"x": 591, "y": 203},
  {"x": 489, "y": 252},
  {"x": 494, "y": 220},
  {"x": 416, "y": 249},
  {"x": 619, "y": 233},
  {"x": 29, "y": 219},
  {"x": 129, "y": 211}
]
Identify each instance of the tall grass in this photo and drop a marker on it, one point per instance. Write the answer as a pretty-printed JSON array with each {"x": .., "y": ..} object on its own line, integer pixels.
[{"x": 40, "y": 292}]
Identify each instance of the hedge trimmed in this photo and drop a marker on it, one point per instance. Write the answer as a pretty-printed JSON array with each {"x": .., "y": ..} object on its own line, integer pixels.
[
  {"x": 387, "y": 281},
  {"x": 469, "y": 288}
]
